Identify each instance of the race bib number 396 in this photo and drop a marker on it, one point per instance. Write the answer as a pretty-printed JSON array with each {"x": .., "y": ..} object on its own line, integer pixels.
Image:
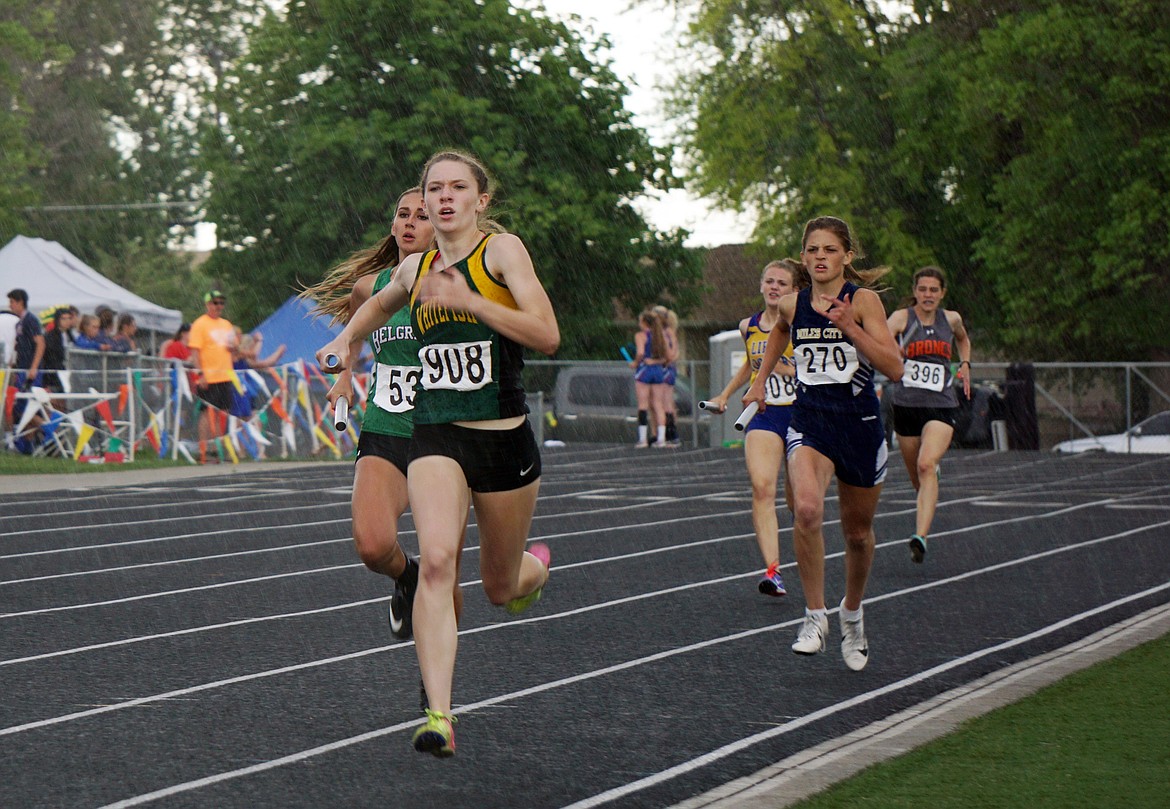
[
  {"x": 825, "y": 363},
  {"x": 926, "y": 375},
  {"x": 456, "y": 366}
]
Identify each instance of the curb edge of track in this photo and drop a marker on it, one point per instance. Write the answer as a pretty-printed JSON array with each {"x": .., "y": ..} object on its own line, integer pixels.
[{"x": 810, "y": 771}]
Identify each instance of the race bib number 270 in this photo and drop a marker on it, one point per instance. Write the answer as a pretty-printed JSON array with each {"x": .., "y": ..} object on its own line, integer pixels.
[
  {"x": 825, "y": 363},
  {"x": 456, "y": 366}
]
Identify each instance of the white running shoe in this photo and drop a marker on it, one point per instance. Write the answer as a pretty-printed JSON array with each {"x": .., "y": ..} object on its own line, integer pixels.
[
  {"x": 812, "y": 634},
  {"x": 853, "y": 646}
]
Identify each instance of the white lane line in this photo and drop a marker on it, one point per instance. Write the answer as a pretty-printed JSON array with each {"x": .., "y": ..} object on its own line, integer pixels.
[
  {"x": 743, "y": 744},
  {"x": 106, "y": 546},
  {"x": 665, "y": 775},
  {"x": 195, "y": 535},
  {"x": 147, "y": 596},
  {"x": 566, "y": 614},
  {"x": 160, "y": 505}
]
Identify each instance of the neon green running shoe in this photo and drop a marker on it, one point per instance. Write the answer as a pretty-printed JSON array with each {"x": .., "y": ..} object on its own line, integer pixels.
[
  {"x": 437, "y": 735},
  {"x": 518, "y": 605},
  {"x": 917, "y": 548}
]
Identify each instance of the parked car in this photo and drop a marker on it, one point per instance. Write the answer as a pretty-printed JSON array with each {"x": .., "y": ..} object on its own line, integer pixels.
[
  {"x": 597, "y": 403},
  {"x": 1151, "y": 435}
]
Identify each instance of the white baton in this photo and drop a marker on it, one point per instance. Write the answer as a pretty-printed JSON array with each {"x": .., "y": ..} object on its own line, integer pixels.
[{"x": 748, "y": 413}]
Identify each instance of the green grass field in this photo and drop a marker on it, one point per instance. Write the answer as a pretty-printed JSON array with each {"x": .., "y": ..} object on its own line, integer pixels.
[
  {"x": 13, "y": 463},
  {"x": 1100, "y": 738}
]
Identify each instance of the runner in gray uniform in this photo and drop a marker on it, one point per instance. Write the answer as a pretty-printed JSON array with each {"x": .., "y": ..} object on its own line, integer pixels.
[{"x": 925, "y": 402}]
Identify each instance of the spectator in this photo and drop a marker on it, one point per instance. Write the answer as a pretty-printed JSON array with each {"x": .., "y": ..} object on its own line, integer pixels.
[
  {"x": 123, "y": 339},
  {"x": 105, "y": 316},
  {"x": 30, "y": 341},
  {"x": 212, "y": 341},
  {"x": 246, "y": 358},
  {"x": 90, "y": 337},
  {"x": 251, "y": 348},
  {"x": 58, "y": 337},
  {"x": 175, "y": 348}
]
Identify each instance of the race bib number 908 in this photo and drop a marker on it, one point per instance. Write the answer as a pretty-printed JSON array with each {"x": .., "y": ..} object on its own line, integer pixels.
[
  {"x": 825, "y": 363},
  {"x": 456, "y": 366},
  {"x": 926, "y": 375},
  {"x": 394, "y": 387}
]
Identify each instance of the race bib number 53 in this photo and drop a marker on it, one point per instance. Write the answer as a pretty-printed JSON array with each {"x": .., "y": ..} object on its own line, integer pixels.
[
  {"x": 394, "y": 387},
  {"x": 456, "y": 366}
]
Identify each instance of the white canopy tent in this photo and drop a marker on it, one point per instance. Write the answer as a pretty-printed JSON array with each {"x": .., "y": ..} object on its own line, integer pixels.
[{"x": 53, "y": 276}]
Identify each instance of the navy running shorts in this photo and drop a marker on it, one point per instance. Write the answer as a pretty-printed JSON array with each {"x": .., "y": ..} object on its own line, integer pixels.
[
  {"x": 774, "y": 419},
  {"x": 854, "y": 442}
]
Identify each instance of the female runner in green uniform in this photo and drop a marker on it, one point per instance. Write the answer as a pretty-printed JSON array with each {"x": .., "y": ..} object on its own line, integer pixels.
[
  {"x": 475, "y": 304},
  {"x": 379, "y": 496}
]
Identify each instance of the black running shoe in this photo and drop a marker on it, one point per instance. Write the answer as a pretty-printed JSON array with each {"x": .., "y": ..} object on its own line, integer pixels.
[{"x": 402, "y": 602}]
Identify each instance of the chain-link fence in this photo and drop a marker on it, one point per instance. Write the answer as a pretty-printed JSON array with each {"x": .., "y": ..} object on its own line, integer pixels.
[{"x": 133, "y": 402}]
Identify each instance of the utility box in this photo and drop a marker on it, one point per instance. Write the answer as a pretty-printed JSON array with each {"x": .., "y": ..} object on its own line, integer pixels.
[{"x": 727, "y": 354}]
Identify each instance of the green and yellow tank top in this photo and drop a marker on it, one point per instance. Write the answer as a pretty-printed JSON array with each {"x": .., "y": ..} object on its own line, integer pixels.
[{"x": 469, "y": 371}]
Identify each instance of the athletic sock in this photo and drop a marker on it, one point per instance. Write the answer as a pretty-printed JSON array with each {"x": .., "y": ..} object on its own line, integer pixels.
[
  {"x": 849, "y": 615},
  {"x": 661, "y": 434}
]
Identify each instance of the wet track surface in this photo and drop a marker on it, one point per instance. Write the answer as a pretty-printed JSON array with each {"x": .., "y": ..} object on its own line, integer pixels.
[{"x": 215, "y": 641}]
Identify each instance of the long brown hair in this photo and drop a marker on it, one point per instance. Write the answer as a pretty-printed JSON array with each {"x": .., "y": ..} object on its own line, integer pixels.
[
  {"x": 840, "y": 229},
  {"x": 331, "y": 293},
  {"x": 657, "y": 333}
]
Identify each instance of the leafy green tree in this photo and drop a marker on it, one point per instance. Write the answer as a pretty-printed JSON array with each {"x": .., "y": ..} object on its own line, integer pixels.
[
  {"x": 338, "y": 105},
  {"x": 1017, "y": 143},
  {"x": 24, "y": 27},
  {"x": 1057, "y": 128},
  {"x": 789, "y": 115}
]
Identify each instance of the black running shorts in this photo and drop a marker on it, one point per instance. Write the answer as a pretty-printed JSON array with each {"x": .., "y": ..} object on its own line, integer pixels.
[{"x": 491, "y": 460}]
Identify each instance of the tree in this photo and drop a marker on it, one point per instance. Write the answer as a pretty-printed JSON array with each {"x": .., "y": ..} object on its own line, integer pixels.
[
  {"x": 338, "y": 105},
  {"x": 790, "y": 115},
  {"x": 24, "y": 27},
  {"x": 1015, "y": 143},
  {"x": 1058, "y": 129}
]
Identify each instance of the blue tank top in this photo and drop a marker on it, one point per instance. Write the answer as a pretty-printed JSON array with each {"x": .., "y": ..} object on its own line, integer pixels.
[{"x": 831, "y": 373}]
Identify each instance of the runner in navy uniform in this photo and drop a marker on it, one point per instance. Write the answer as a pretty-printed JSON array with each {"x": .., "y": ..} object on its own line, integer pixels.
[{"x": 839, "y": 336}]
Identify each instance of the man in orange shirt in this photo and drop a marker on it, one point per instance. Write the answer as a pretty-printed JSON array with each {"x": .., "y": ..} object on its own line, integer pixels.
[{"x": 212, "y": 341}]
